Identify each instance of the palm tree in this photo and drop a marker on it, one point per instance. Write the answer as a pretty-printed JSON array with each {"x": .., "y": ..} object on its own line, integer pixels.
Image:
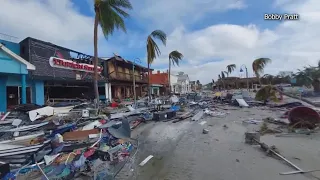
[
  {"x": 219, "y": 78},
  {"x": 223, "y": 74},
  {"x": 109, "y": 15},
  {"x": 226, "y": 73},
  {"x": 222, "y": 77},
  {"x": 231, "y": 68},
  {"x": 174, "y": 57},
  {"x": 266, "y": 93},
  {"x": 153, "y": 50},
  {"x": 258, "y": 65}
]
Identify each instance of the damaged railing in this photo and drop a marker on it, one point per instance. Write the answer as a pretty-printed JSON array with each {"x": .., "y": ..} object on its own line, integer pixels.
[{"x": 128, "y": 77}]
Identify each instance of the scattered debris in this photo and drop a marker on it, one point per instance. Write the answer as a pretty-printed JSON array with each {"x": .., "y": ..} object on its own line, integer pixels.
[
  {"x": 198, "y": 116},
  {"x": 205, "y": 131},
  {"x": 203, "y": 123},
  {"x": 270, "y": 150},
  {"x": 251, "y": 121},
  {"x": 303, "y": 117},
  {"x": 145, "y": 160}
]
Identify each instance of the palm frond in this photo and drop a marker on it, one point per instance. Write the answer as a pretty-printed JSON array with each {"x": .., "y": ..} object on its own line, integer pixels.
[
  {"x": 175, "y": 57},
  {"x": 160, "y": 35},
  {"x": 231, "y": 68},
  {"x": 111, "y": 15},
  {"x": 223, "y": 75},
  {"x": 266, "y": 93},
  {"x": 259, "y": 64},
  {"x": 153, "y": 50}
]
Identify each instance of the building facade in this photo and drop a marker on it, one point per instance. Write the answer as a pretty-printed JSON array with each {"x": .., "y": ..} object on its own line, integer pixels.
[
  {"x": 16, "y": 84},
  {"x": 62, "y": 74},
  {"x": 121, "y": 75},
  {"x": 159, "y": 83},
  {"x": 174, "y": 83},
  {"x": 183, "y": 83}
]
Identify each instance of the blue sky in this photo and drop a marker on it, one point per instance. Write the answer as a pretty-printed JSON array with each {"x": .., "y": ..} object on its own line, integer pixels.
[
  {"x": 253, "y": 13},
  {"x": 210, "y": 33}
]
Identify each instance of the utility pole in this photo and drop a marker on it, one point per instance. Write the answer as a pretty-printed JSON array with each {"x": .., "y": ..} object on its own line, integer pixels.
[
  {"x": 134, "y": 80},
  {"x": 247, "y": 78},
  {"x": 241, "y": 70}
]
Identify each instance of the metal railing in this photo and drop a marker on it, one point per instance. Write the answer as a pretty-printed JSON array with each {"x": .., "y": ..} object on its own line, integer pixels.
[
  {"x": 128, "y": 77},
  {"x": 52, "y": 101}
]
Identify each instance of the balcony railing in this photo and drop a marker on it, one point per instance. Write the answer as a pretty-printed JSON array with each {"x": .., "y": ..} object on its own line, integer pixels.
[{"x": 128, "y": 77}]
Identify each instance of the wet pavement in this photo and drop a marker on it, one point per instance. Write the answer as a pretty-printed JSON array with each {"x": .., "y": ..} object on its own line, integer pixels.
[{"x": 182, "y": 152}]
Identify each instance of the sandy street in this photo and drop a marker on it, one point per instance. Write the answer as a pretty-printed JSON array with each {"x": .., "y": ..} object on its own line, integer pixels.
[{"x": 182, "y": 152}]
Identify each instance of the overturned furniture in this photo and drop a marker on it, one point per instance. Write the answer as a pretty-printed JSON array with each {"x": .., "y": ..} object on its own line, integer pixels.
[{"x": 303, "y": 117}]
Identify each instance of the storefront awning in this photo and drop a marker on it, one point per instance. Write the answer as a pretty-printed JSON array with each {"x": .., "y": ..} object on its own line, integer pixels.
[{"x": 17, "y": 57}]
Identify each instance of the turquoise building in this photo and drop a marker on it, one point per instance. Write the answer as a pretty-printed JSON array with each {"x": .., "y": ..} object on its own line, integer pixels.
[{"x": 16, "y": 86}]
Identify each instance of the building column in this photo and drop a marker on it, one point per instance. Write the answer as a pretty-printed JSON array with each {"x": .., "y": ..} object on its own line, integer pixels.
[
  {"x": 107, "y": 87},
  {"x": 23, "y": 89},
  {"x": 38, "y": 92},
  {"x": 3, "y": 93}
]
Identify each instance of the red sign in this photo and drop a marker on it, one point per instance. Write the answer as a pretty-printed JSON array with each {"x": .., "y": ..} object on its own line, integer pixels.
[{"x": 71, "y": 65}]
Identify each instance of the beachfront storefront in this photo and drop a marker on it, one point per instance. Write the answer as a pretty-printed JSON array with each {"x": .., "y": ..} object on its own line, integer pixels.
[
  {"x": 16, "y": 86},
  {"x": 66, "y": 74}
]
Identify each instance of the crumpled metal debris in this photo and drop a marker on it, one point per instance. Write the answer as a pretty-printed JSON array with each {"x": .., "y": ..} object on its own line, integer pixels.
[
  {"x": 198, "y": 116},
  {"x": 214, "y": 113}
]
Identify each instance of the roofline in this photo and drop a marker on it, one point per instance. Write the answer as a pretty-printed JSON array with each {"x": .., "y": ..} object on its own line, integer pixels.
[
  {"x": 60, "y": 47},
  {"x": 17, "y": 57},
  {"x": 128, "y": 61}
]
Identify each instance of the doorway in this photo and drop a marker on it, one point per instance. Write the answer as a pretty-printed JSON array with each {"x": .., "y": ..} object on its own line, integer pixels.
[{"x": 14, "y": 95}]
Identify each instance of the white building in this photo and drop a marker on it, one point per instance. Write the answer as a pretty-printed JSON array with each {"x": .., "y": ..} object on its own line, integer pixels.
[
  {"x": 181, "y": 83},
  {"x": 174, "y": 83}
]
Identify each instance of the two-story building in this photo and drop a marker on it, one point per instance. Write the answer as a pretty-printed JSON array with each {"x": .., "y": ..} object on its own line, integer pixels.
[
  {"x": 16, "y": 85},
  {"x": 121, "y": 77}
]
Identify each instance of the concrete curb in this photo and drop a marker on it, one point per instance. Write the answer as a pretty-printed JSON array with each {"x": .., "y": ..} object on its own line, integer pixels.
[{"x": 302, "y": 99}]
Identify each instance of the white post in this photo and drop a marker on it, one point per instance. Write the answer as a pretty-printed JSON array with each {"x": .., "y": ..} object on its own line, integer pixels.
[{"x": 107, "y": 88}]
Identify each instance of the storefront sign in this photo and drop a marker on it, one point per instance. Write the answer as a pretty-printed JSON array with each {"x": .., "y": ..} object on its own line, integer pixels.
[{"x": 71, "y": 65}]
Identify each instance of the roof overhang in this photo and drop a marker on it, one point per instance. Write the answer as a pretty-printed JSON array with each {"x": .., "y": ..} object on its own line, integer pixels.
[
  {"x": 17, "y": 57},
  {"x": 157, "y": 85}
]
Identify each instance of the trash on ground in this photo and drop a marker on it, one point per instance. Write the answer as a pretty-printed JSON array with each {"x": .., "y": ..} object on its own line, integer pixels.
[
  {"x": 205, "y": 131},
  {"x": 145, "y": 160}
]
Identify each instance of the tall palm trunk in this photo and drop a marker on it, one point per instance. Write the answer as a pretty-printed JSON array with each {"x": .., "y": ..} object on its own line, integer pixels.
[
  {"x": 95, "y": 62},
  {"x": 169, "y": 76},
  {"x": 149, "y": 87}
]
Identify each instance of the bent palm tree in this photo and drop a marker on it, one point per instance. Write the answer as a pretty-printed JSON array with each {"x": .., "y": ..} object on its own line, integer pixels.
[
  {"x": 153, "y": 50},
  {"x": 174, "y": 57},
  {"x": 258, "y": 65},
  {"x": 109, "y": 15},
  {"x": 231, "y": 68}
]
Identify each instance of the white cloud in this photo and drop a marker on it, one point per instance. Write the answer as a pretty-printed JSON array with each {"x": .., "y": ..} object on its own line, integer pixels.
[
  {"x": 56, "y": 21},
  {"x": 291, "y": 45}
]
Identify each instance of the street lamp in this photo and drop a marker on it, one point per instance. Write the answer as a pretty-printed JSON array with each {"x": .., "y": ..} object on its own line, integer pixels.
[
  {"x": 134, "y": 80},
  {"x": 241, "y": 70}
]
